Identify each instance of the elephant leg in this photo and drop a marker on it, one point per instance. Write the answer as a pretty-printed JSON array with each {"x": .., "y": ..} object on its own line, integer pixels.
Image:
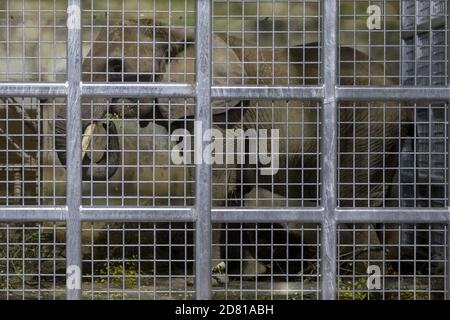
[{"x": 218, "y": 265}]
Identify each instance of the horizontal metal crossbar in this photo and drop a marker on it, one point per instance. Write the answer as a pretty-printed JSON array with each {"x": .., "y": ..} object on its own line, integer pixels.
[
  {"x": 40, "y": 213},
  {"x": 348, "y": 93},
  {"x": 33, "y": 89},
  {"x": 312, "y": 215},
  {"x": 404, "y": 215},
  {"x": 134, "y": 90},
  {"x": 393, "y": 93},
  {"x": 138, "y": 214},
  {"x": 285, "y": 93},
  {"x": 244, "y": 215}
]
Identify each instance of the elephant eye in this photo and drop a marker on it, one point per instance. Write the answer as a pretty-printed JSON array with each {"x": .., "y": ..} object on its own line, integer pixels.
[
  {"x": 115, "y": 65},
  {"x": 115, "y": 70}
]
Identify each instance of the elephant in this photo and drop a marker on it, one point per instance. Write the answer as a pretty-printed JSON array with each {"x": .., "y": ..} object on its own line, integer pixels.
[
  {"x": 145, "y": 177},
  {"x": 298, "y": 122},
  {"x": 108, "y": 60},
  {"x": 236, "y": 62},
  {"x": 107, "y": 168}
]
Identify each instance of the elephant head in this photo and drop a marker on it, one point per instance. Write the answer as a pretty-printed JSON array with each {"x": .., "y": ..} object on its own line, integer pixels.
[
  {"x": 133, "y": 51},
  {"x": 227, "y": 70}
]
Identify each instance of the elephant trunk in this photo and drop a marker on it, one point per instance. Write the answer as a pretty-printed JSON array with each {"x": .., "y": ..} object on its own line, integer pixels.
[{"x": 100, "y": 170}]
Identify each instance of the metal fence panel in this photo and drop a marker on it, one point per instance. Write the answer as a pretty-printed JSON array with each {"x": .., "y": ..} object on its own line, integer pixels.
[{"x": 311, "y": 232}]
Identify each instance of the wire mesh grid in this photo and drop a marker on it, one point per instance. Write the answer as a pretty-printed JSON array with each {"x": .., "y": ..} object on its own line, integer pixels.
[
  {"x": 392, "y": 261},
  {"x": 373, "y": 29},
  {"x": 424, "y": 50},
  {"x": 418, "y": 14},
  {"x": 270, "y": 152},
  {"x": 397, "y": 35},
  {"x": 255, "y": 43},
  {"x": 29, "y": 174},
  {"x": 133, "y": 154},
  {"x": 139, "y": 41},
  {"x": 32, "y": 261},
  {"x": 266, "y": 261},
  {"x": 266, "y": 42},
  {"x": 392, "y": 155},
  {"x": 138, "y": 261},
  {"x": 33, "y": 40}
]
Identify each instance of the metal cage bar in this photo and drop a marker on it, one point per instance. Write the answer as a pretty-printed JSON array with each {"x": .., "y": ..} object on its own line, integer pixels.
[
  {"x": 74, "y": 190},
  {"x": 134, "y": 90},
  {"x": 73, "y": 234},
  {"x": 203, "y": 170},
  {"x": 307, "y": 215},
  {"x": 329, "y": 151},
  {"x": 447, "y": 282}
]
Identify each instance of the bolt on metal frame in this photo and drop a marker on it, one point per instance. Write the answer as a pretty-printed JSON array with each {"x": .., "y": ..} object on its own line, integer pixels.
[{"x": 328, "y": 215}]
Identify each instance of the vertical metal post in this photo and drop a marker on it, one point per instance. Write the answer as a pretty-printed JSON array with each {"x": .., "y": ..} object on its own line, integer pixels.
[
  {"x": 447, "y": 258},
  {"x": 329, "y": 151},
  {"x": 447, "y": 241},
  {"x": 73, "y": 236},
  {"x": 203, "y": 170}
]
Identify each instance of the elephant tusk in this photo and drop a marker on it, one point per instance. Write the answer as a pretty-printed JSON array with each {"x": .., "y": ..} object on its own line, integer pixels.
[{"x": 87, "y": 137}]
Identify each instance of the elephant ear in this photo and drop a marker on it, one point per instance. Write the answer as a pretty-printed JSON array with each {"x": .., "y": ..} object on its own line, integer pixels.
[{"x": 227, "y": 70}]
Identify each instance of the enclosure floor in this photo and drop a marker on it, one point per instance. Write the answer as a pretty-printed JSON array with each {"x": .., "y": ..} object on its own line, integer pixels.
[
  {"x": 180, "y": 289},
  {"x": 174, "y": 289}
]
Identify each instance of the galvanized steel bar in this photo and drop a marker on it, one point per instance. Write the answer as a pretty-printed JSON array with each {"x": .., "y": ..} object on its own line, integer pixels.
[
  {"x": 108, "y": 90},
  {"x": 405, "y": 215},
  {"x": 447, "y": 241},
  {"x": 348, "y": 93},
  {"x": 267, "y": 215},
  {"x": 329, "y": 151},
  {"x": 138, "y": 214},
  {"x": 392, "y": 93},
  {"x": 36, "y": 214},
  {"x": 203, "y": 170},
  {"x": 42, "y": 89},
  {"x": 74, "y": 177},
  {"x": 262, "y": 92},
  {"x": 447, "y": 258}
]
